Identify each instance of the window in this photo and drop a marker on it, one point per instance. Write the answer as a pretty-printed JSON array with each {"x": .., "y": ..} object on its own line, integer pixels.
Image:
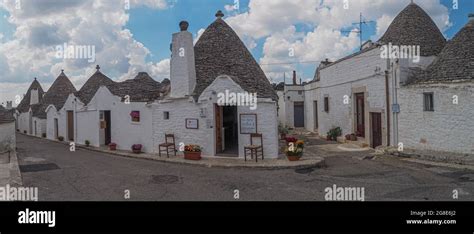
[
  {"x": 326, "y": 104},
  {"x": 166, "y": 115},
  {"x": 135, "y": 116},
  {"x": 428, "y": 102},
  {"x": 300, "y": 92}
]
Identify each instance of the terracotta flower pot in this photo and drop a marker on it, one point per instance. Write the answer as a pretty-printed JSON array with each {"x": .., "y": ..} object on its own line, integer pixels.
[
  {"x": 192, "y": 155},
  {"x": 112, "y": 147},
  {"x": 293, "y": 158}
]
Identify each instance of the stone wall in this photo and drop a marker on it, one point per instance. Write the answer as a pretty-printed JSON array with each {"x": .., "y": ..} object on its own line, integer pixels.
[
  {"x": 449, "y": 127},
  {"x": 7, "y": 137}
]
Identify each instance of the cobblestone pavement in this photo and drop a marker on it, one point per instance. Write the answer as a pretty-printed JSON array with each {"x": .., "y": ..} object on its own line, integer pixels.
[{"x": 87, "y": 175}]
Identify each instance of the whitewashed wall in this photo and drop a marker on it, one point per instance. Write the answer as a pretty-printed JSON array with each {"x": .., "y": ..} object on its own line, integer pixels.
[
  {"x": 449, "y": 127},
  {"x": 353, "y": 75},
  {"x": 52, "y": 114},
  {"x": 23, "y": 122},
  {"x": 312, "y": 93},
  {"x": 7, "y": 137},
  {"x": 40, "y": 126},
  {"x": 292, "y": 91},
  {"x": 124, "y": 132},
  {"x": 180, "y": 109}
]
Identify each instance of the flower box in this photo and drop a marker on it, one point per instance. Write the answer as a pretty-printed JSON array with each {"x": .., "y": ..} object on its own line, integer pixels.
[
  {"x": 192, "y": 152},
  {"x": 113, "y": 146},
  {"x": 137, "y": 148}
]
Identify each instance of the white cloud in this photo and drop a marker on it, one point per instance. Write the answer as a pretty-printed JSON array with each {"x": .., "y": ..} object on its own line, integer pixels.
[
  {"x": 31, "y": 51},
  {"x": 275, "y": 22}
]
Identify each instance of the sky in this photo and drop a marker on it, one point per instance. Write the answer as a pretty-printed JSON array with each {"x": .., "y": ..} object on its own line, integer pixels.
[{"x": 130, "y": 36}]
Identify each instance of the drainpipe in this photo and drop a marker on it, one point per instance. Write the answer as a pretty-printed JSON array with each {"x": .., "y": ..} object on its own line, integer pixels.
[
  {"x": 387, "y": 103},
  {"x": 395, "y": 101},
  {"x": 75, "y": 121}
]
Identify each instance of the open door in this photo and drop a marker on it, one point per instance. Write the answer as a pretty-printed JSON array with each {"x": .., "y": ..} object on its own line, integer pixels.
[
  {"x": 218, "y": 127},
  {"x": 108, "y": 128},
  {"x": 70, "y": 125}
]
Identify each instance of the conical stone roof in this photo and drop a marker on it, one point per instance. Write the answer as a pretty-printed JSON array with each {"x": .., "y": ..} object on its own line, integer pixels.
[
  {"x": 456, "y": 60},
  {"x": 24, "y": 105},
  {"x": 142, "y": 88},
  {"x": 219, "y": 51},
  {"x": 413, "y": 26},
  {"x": 56, "y": 95},
  {"x": 88, "y": 90}
]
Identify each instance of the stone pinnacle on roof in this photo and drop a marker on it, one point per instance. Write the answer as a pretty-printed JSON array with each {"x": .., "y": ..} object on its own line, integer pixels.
[
  {"x": 97, "y": 67},
  {"x": 219, "y": 14},
  {"x": 183, "y": 25},
  {"x": 414, "y": 27}
]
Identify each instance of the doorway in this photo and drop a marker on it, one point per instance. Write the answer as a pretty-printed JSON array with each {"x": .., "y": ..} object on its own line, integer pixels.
[
  {"x": 70, "y": 125},
  {"x": 376, "y": 126},
  {"x": 227, "y": 134},
  {"x": 359, "y": 114},
  {"x": 298, "y": 114},
  {"x": 35, "y": 130},
  {"x": 56, "y": 131},
  {"x": 315, "y": 110},
  {"x": 108, "y": 128}
]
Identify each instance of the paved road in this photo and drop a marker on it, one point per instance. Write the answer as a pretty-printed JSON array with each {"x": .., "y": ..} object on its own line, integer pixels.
[{"x": 85, "y": 175}]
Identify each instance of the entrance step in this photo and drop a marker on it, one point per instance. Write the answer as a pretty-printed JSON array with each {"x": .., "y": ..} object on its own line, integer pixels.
[{"x": 360, "y": 141}]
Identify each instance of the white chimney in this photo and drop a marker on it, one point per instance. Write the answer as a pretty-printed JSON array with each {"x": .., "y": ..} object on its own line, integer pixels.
[{"x": 183, "y": 70}]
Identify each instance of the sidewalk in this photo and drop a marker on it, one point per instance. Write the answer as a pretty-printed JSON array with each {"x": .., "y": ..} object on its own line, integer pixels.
[
  {"x": 281, "y": 163},
  {"x": 309, "y": 160},
  {"x": 9, "y": 170}
]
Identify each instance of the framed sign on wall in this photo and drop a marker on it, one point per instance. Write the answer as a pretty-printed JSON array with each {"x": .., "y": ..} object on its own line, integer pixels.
[
  {"x": 192, "y": 123},
  {"x": 248, "y": 123}
]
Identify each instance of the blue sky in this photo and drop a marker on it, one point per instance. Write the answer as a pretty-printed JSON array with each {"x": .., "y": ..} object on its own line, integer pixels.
[{"x": 138, "y": 39}]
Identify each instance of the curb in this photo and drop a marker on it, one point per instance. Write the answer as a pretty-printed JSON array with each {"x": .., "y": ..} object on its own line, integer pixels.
[
  {"x": 303, "y": 164},
  {"x": 320, "y": 162},
  {"x": 15, "y": 174}
]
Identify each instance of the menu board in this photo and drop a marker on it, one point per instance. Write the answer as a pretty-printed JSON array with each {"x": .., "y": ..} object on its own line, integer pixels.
[{"x": 248, "y": 123}]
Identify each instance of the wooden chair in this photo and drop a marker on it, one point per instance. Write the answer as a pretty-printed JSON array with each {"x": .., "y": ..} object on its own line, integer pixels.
[
  {"x": 254, "y": 150},
  {"x": 167, "y": 145}
]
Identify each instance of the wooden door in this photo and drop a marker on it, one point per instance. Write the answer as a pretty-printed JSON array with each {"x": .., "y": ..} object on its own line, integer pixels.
[
  {"x": 70, "y": 125},
  {"x": 218, "y": 126},
  {"x": 298, "y": 114},
  {"x": 376, "y": 126},
  {"x": 108, "y": 127},
  {"x": 360, "y": 116}
]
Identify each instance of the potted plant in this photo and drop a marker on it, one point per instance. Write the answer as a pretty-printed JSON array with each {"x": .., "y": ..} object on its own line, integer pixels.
[
  {"x": 24, "y": 132},
  {"x": 290, "y": 139},
  {"x": 60, "y": 138},
  {"x": 137, "y": 148},
  {"x": 334, "y": 133},
  {"x": 88, "y": 143},
  {"x": 43, "y": 135},
  {"x": 113, "y": 146},
  {"x": 283, "y": 131},
  {"x": 294, "y": 150},
  {"x": 192, "y": 152}
]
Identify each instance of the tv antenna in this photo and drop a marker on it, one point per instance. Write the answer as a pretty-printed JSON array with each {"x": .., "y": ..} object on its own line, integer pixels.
[{"x": 359, "y": 30}]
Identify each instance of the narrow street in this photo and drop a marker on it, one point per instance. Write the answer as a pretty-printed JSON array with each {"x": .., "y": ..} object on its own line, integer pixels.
[{"x": 62, "y": 175}]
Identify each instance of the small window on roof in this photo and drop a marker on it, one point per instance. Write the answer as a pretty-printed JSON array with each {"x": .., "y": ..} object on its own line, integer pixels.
[{"x": 135, "y": 115}]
